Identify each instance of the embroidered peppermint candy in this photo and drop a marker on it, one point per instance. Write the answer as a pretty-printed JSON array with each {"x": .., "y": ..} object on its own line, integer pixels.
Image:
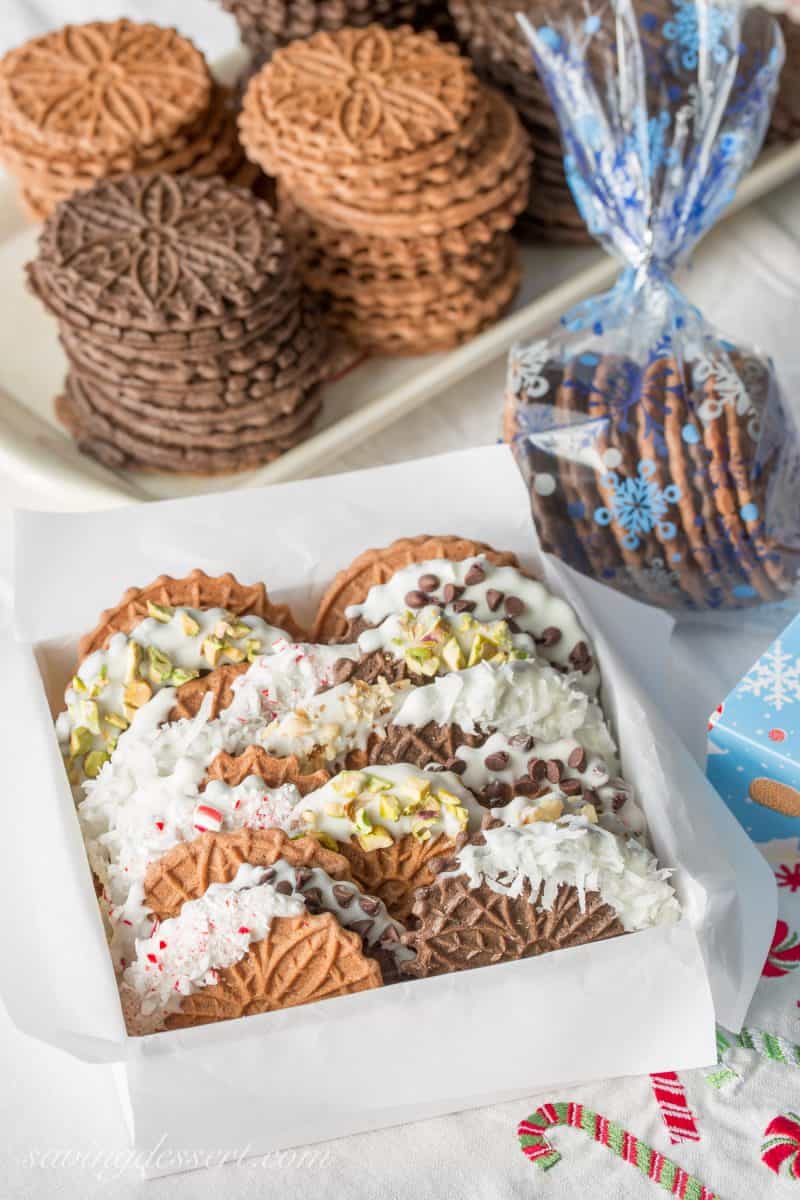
[{"x": 207, "y": 818}]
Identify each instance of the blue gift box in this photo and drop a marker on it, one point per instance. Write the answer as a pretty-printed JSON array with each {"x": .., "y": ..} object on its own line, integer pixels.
[{"x": 754, "y": 742}]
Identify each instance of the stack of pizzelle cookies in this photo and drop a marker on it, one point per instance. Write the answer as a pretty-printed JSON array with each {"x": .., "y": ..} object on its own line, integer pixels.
[
  {"x": 92, "y": 101},
  {"x": 675, "y": 515},
  {"x": 312, "y": 832},
  {"x": 491, "y": 35},
  {"x": 399, "y": 178},
  {"x": 785, "y": 126},
  {"x": 266, "y": 25},
  {"x": 192, "y": 345}
]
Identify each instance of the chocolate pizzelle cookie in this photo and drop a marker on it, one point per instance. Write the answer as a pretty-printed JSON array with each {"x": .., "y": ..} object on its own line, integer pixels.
[
  {"x": 399, "y": 178},
  {"x": 193, "y": 346},
  {"x": 92, "y": 101},
  {"x": 266, "y": 25},
  {"x": 511, "y": 893},
  {"x": 655, "y": 478}
]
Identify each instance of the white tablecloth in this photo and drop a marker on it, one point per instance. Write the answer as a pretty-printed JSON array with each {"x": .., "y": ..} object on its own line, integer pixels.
[{"x": 63, "y": 1129}]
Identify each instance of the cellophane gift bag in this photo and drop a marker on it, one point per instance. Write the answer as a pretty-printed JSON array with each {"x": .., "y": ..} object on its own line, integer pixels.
[{"x": 659, "y": 457}]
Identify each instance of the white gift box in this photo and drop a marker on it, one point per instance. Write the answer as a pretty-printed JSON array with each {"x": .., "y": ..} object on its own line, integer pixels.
[{"x": 639, "y": 1003}]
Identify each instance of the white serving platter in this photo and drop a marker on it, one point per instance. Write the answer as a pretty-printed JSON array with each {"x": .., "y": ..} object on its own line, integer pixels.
[{"x": 37, "y": 453}]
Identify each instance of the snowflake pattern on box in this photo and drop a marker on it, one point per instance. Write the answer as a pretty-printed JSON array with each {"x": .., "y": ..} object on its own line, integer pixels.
[
  {"x": 638, "y": 504},
  {"x": 684, "y": 30},
  {"x": 775, "y": 678}
]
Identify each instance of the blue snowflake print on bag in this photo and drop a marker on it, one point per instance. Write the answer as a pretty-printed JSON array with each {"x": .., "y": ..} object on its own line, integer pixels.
[
  {"x": 684, "y": 29},
  {"x": 639, "y": 505},
  {"x": 673, "y": 456}
]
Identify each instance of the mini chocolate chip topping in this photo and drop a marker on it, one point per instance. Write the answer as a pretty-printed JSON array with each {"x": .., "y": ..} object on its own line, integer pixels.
[
  {"x": 362, "y": 928},
  {"x": 452, "y": 592},
  {"x": 369, "y": 905},
  {"x": 494, "y": 599},
  {"x": 456, "y": 765},
  {"x": 580, "y": 658},
  {"x": 570, "y": 787},
  {"x": 343, "y": 670},
  {"x": 514, "y": 606},
  {"x": 284, "y": 887},
  {"x": 577, "y": 759},
  {"x": 537, "y": 769},
  {"x": 495, "y": 793},
  {"x": 497, "y": 761},
  {"x": 474, "y": 575},
  {"x": 460, "y": 606},
  {"x": 512, "y": 625},
  {"x": 549, "y": 637},
  {"x": 416, "y": 599},
  {"x": 428, "y": 583},
  {"x": 554, "y": 770},
  {"x": 302, "y": 876},
  {"x": 526, "y": 786},
  {"x": 342, "y": 895},
  {"x": 313, "y": 899},
  {"x": 389, "y": 934},
  {"x": 618, "y": 802},
  {"x": 522, "y": 741}
]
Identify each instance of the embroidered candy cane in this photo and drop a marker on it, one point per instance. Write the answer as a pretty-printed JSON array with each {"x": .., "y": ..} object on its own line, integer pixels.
[
  {"x": 767, "y": 1045},
  {"x": 654, "y": 1166},
  {"x": 677, "y": 1116}
]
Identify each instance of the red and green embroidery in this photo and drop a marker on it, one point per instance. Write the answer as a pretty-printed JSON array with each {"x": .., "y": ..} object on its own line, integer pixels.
[
  {"x": 759, "y": 1041},
  {"x": 654, "y": 1166},
  {"x": 781, "y": 1148},
  {"x": 675, "y": 1112},
  {"x": 784, "y": 953}
]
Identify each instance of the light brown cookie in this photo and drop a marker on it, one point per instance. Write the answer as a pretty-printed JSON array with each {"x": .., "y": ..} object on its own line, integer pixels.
[
  {"x": 374, "y": 567},
  {"x": 195, "y": 590},
  {"x": 770, "y": 793},
  {"x": 301, "y": 960},
  {"x": 187, "y": 870}
]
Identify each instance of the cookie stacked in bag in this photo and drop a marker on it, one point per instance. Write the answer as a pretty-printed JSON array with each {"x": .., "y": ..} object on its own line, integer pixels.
[
  {"x": 399, "y": 178},
  {"x": 659, "y": 456},
  {"x": 193, "y": 346},
  {"x": 91, "y": 101},
  {"x": 272, "y": 822}
]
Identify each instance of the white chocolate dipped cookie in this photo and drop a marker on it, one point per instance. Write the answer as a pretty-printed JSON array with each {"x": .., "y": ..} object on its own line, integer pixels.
[
  {"x": 517, "y": 892},
  {"x": 535, "y": 619},
  {"x": 166, "y": 649}
]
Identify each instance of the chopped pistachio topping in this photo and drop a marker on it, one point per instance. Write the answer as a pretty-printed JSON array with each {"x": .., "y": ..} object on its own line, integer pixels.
[
  {"x": 212, "y": 649},
  {"x": 80, "y": 740},
  {"x": 378, "y": 839},
  {"x": 252, "y": 648},
  {"x": 182, "y": 675},
  {"x": 90, "y": 715},
  {"x": 93, "y": 763},
  {"x": 160, "y": 666},
  {"x": 430, "y": 646},
  {"x": 188, "y": 624},
  {"x": 137, "y": 693},
  {"x": 133, "y": 657},
  {"x": 159, "y": 612},
  {"x": 116, "y": 719}
]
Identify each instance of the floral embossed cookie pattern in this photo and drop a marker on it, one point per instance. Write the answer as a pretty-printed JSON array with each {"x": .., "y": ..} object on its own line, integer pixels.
[
  {"x": 91, "y": 101},
  {"x": 392, "y": 162}
]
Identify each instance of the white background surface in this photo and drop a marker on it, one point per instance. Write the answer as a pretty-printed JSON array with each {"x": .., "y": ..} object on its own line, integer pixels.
[{"x": 52, "y": 1106}]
